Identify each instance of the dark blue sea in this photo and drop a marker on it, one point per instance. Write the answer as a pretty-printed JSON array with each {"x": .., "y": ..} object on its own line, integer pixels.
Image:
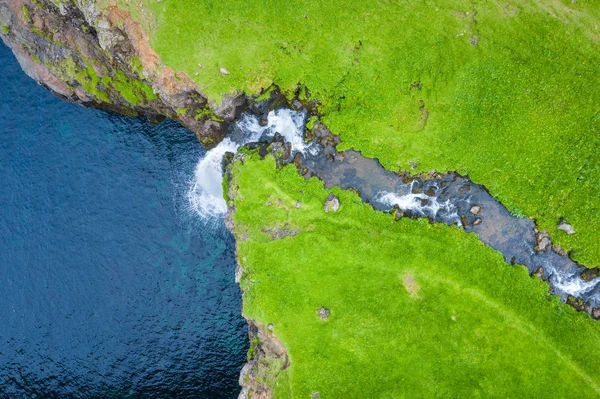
[{"x": 110, "y": 286}]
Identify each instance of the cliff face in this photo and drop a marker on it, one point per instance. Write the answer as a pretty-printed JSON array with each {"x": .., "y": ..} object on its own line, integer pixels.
[
  {"x": 267, "y": 356},
  {"x": 100, "y": 57},
  {"x": 96, "y": 55}
]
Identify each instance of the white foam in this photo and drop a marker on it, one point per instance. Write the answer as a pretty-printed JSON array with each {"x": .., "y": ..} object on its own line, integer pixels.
[
  {"x": 289, "y": 124},
  {"x": 206, "y": 191},
  {"x": 414, "y": 203},
  {"x": 571, "y": 284},
  {"x": 205, "y": 194}
]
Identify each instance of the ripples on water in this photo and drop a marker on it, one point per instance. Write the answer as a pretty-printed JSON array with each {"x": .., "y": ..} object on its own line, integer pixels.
[{"x": 109, "y": 285}]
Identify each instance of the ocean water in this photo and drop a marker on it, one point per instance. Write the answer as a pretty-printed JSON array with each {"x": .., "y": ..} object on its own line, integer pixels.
[{"x": 110, "y": 284}]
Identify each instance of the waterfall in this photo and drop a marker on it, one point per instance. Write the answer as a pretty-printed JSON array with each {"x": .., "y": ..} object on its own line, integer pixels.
[{"x": 206, "y": 188}]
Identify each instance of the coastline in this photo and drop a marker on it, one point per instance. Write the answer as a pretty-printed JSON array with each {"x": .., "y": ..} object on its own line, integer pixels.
[
  {"x": 267, "y": 356},
  {"x": 159, "y": 93}
]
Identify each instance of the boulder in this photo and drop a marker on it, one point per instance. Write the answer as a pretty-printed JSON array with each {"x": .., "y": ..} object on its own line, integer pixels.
[
  {"x": 332, "y": 204},
  {"x": 543, "y": 241},
  {"x": 590, "y": 274},
  {"x": 475, "y": 209},
  {"x": 558, "y": 250},
  {"x": 231, "y": 107},
  {"x": 566, "y": 227}
]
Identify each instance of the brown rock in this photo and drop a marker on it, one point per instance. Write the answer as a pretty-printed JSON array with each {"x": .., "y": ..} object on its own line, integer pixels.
[
  {"x": 477, "y": 222},
  {"x": 340, "y": 157},
  {"x": 558, "y": 250},
  {"x": 543, "y": 241},
  {"x": 590, "y": 274},
  {"x": 575, "y": 303},
  {"x": 231, "y": 107},
  {"x": 475, "y": 209}
]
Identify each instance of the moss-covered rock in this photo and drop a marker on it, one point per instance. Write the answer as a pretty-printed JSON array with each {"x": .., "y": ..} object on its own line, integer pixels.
[{"x": 95, "y": 54}]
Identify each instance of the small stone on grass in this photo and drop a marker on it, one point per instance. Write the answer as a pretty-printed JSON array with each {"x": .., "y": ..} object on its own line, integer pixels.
[
  {"x": 566, "y": 227},
  {"x": 323, "y": 313},
  {"x": 332, "y": 204}
]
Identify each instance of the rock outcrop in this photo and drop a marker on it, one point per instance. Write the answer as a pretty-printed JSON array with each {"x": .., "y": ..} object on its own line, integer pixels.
[
  {"x": 98, "y": 56},
  {"x": 266, "y": 359}
]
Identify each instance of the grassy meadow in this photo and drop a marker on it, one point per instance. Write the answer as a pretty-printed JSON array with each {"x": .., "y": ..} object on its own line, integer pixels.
[
  {"x": 507, "y": 92},
  {"x": 417, "y": 310}
]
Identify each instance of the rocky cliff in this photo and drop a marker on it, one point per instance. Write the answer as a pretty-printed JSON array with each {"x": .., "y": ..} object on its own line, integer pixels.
[{"x": 95, "y": 54}]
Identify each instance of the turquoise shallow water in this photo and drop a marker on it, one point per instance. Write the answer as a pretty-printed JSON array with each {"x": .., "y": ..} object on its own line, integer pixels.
[{"x": 109, "y": 285}]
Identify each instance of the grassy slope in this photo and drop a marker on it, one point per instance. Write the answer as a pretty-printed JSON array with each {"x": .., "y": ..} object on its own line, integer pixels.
[
  {"x": 518, "y": 112},
  {"x": 508, "y": 339}
]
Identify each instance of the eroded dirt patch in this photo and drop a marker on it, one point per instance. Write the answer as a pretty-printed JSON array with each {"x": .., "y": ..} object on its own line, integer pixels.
[{"x": 411, "y": 285}]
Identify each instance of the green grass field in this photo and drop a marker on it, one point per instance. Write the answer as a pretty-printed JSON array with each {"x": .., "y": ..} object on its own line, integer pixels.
[
  {"x": 505, "y": 91},
  {"x": 417, "y": 310}
]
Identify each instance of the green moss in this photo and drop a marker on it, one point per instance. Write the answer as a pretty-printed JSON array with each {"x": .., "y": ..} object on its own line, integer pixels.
[
  {"x": 265, "y": 95},
  {"x": 87, "y": 77},
  {"x": 253, "y": 345},
  {"x": 206, "y": 141},
  {"x": 207, "y": 113},
  {"x": 134, "y": 91},
  {"x": 509, "y": 89},
  {"x": 311, "y": 122},
  {"x": 90, "y": 81},
  {"x": 182, "y": 111},
  {"x": 136, "y": 66},
  {"x": 37, "y": 31},
  {"x": 26, "y": 14},
  {"x": 417, "y": 310},
  {"x": 204, "y": 113},
  {"x": 5, "y": 29},
  {"x": 225, "y": 185},
  {"x": 35, "y": 58}
]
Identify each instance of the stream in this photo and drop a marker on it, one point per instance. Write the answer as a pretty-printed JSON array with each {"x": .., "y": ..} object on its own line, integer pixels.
[{"x": 450, "y": 198}]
